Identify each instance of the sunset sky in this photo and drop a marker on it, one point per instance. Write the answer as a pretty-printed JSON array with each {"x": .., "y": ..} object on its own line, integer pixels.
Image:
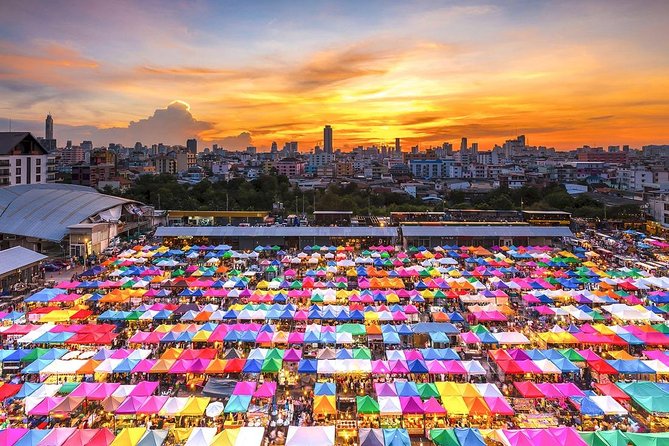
[{"x": 564, "y": 73}]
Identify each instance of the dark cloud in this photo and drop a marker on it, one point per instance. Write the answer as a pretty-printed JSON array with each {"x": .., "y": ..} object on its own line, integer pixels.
[{"x": 241, "y": 141}]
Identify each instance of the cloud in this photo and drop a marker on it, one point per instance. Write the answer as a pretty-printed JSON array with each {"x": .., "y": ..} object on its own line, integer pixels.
[
  {"x": 171, "y": 125},
  {"x": 241, "y": 141}
]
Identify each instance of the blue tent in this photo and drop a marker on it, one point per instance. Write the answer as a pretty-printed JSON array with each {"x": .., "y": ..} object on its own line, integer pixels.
[
  {"x": 406, "y": 388},
  {"x": 307, "y": 366},
  {"x": 469, "y": 437},
  {"x": 32, "y": 437},
  {"x": 325, "y": 388},
  {"x": 253, "y": 366},
  {"x": 396, "y": 437},
  {"x": 588, "y": 407}
]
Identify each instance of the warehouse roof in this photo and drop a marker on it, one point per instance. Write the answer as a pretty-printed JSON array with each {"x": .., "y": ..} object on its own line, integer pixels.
[
  {"x": 275, "y": 231},
  {"x": 44, "y": 211},
  {"x": 18, "y": 257},
  {"x": 486, "y": 231}
]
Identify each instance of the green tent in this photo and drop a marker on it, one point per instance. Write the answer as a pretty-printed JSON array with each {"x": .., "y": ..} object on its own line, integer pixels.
[
  {"x": 654, "y": 439},
  {"x": 36, "y": 353},
  {"x": 612, "y": 438},
  {"x": 362, "y": 353},
  {"x": 67, "y": 387},
  {"x": 479, "y": 329},
  {"x": 427, "y": 390},
  {"x": 571, "y": 354},
  {"x": 133, "y": 315},
  {"x": 178, "y": 272},
  {"x": 353, "y": 329},
  {"x": 366, "y": 404},
  {"x": 662, "y": 328},
  {"x": 272, "y": 365},
  {"x": 444, "y": 437},
  {"x": 274, "y": 353}
]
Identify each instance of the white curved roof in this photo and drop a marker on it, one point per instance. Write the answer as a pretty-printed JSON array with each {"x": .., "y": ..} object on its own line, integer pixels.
[{"x": 44, "y": 211}]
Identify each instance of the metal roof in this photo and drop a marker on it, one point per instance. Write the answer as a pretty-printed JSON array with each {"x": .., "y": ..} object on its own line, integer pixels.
[
  {"x": 18, "y": 257},
  {"x": 486, "y": 231},
  {"x": 44, "y": 211},
  {"x": 9, "y": 140},
  {"x": 275, "y": 231}
]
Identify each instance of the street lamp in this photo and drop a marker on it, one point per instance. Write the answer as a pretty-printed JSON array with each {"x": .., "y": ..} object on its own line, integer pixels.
[{"x": 85, "y": 251}]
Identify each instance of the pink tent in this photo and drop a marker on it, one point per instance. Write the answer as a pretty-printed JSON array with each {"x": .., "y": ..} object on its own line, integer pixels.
[
  {"x": 432, "y": 406},
  {"x": 569, "y": 389},
  {"x": 83, "y": 389},
  {"x": 45, "y": 406},
  {"x": 130, "y": 405},
  {"x": 550, "y": 391},
  {"x": 469, "y": 338},
  {"x": 398, "y": 366},
  {"x": 296, "y": 337},
  {"x": 380, "y": 367},
  {"x": 567, "y": 435},
  {"x": 292, "y": 355},
  {"x": 518, "y": 437},
  {"x": 385, "y": 389},
  {"x": 152, "y": 404},
  {"x": 498, "y": 405},
  {"x": 102, "y": 391},
  {"x": 528, "y": 366},
  {"x": 543, "y": 437},
  {"x": 57, "y": 436},
  {"x": 436, "y": 367},
  {"x": 266, "y": 390},
  {"x": 11, "y": 435},
  {"x": 244, "y": 388},
  {"x": 144, "y": 388},
  {"x": 411, "y": 404},
  {"x": 144, "y": 366},
  {"x": 411, "y": 355},
  {"x": 182, "y": 366},
  {"x": 454, "y": 367}
]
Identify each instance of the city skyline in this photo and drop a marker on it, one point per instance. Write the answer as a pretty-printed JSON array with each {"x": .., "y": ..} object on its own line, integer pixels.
[{"x": 565, "y": 74}]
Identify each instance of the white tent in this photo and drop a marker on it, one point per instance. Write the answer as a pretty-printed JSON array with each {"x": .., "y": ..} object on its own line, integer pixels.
[
  {"x": 390, "y": 405},
  {"x": 609, "y": 405},
  {"x": 312, "y": 435},
  {"x": 201, "y": 436}
]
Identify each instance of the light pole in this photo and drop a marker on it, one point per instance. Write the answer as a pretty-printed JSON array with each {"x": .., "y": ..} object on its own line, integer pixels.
[{"x": 85, "y": 251}]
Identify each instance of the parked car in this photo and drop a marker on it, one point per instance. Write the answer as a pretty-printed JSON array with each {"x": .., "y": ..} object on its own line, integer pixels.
[{"x": 51, "y": 267}]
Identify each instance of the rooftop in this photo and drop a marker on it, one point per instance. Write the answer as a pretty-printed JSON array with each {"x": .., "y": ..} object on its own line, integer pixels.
[
  {"x": 486, "y": 231},
  {"x": 18, "y": 257},
  {"x": 275, "y": 231}
]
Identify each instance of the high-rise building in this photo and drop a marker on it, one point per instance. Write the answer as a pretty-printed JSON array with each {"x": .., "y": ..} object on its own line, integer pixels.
[
  {"x": 191, "y": 145},
  {"x": 327, "y": 139},
  {"x": 275, "y": 147},
  {"x": 49, "y": 142},
  {"x": 23, "y": 160},
  {"x": 48, "y": 133},
  {"x": 398, "y": 146},
  {"x": 463, "y": 144}
]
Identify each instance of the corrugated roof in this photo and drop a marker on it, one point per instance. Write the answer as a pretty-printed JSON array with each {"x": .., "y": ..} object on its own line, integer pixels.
[
  {"x": 18, "y": 257},
  {"x": 275, "y": 231},
  {"x": 44, "y": 211},
  {"x": 486, "y": 231}
]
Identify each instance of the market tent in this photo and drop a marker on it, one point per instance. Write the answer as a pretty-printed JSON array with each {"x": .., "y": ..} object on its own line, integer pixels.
[
  {"x": 129, "y": 436},
  {"x": 366, "y": 405},
  {"x": 444, "y": 437},
  {"x": 90, "y": 437},
  {"x": 250, "y": 436},
  {"x": 11, "y": 435},
  {"x": 654, "y": 439},
  {"x": 370, "y": 437},
  {"x": 315, "y": 435},
  {"x": 469, "y": 437},
  {"x": 201, "y": 436},
  {"x": 32, "y": 437},
  {"x": 396, "y": 437},
  {"x": 153, "y": 437}
]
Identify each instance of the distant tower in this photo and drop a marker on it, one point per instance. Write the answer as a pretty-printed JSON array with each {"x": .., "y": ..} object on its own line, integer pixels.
[
  {"x": 327, "y": 139},
  {"x": 398, "y": 146},
  {"x": 191, "y": 145},
  {"x": 274, "y": 148},
  {"x": 48, "y": 133},
  {"x": 463, "y": 144}
]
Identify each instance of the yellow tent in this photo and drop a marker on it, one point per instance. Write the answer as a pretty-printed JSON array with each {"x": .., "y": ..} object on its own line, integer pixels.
[
  {"x": 226, "y": 437},
  {"x": 129, "y": 436},
  {"x": 195, "y": 406},
  {"x": 455, "y": 405},
  {"x": 181, "y": 434}
]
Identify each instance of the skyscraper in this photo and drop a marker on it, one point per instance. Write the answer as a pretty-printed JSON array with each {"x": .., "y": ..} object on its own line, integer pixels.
[
  {"x": 48, "y": 133},
  {"x": 191, "y": 145},
  {"x": 398, "y": 146},
  {"x": 327, "y": 139},
  {"x": 463, "y": 144},
  {"x": 48, "y": 142}
]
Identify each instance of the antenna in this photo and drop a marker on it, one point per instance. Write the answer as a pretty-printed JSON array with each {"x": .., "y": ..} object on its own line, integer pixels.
[{"x": 10, "y": 124}]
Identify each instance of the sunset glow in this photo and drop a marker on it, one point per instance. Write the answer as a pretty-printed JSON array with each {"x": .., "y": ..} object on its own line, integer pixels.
[{"x": 563, "y": 73}]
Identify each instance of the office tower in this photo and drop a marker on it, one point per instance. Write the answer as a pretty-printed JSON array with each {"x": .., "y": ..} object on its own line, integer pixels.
[
  {"x": 463, "y": 144},
  {"x": 191, "y": 145},
  {"x": 327, "y": 139},
  {"x": 475, "y": 148},
  {"x": 275, "y": 147},
  {"x": 48, "y": 142},
  {"x": 48, "y": 133},
  {"x": 398, "y": 146},
  {"x": 448, "y": 148},
  {"x": 87, "y": 145}
]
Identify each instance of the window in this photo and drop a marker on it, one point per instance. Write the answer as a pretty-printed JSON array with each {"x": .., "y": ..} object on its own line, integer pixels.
[
  {"x": 38, "y": 170},
  {"x": 38, "y": 161},
  {"x": 18, "y": 162},
  {"x": 18, "y": 171},
  {"x": 38, "y": 178},
  {"x": 18, "y": 180}
]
